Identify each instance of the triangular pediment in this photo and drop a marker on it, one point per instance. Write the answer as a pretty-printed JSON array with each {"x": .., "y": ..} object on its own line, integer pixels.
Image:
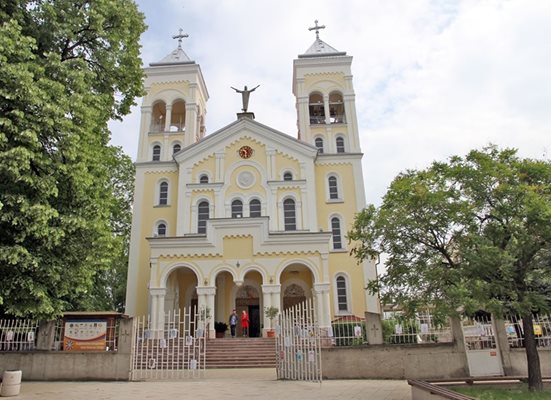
[{"x": 243, "y": 130}]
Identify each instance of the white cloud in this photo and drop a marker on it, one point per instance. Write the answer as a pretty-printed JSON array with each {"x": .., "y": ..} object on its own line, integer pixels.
[{"x": 432, "y": 79}]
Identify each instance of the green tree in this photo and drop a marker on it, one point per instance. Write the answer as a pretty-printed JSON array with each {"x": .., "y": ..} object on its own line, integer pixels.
[
  {"x": 66, "y": 68},
  {"x": 471, "y": 233}
]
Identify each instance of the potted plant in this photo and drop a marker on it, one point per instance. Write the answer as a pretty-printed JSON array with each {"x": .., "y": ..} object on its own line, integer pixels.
[
  {"x": 271, "y": 312},
  {"x": 220, "y": 328}
]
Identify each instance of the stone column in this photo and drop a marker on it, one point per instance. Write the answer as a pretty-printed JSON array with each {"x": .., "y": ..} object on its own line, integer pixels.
[
  {"x": 205, "y": 296},
  {"x": 267, "y": 302},
  {"x": 271, "y": 298},
  {"x": 168, "y": 119},
  {"x": 157, "y": 311},
  {"x": 327, "y": 110},
  {"x": 323, "y": 306}
]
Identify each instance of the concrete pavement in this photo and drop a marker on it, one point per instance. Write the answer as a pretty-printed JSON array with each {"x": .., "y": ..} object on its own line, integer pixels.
[{"x": 220, "y": 384}]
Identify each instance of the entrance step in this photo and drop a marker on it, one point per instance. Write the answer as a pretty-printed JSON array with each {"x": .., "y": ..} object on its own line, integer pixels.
[{"x": 241, "y": 353}]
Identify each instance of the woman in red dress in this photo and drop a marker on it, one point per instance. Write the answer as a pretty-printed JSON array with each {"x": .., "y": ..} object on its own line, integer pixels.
[{"x": 245, "y": 323}]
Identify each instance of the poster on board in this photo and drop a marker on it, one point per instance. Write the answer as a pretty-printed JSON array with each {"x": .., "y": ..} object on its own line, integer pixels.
[{"x": 85, "y": 335}]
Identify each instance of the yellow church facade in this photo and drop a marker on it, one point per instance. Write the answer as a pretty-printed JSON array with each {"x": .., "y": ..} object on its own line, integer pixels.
[{"x": 248, "y": 217}]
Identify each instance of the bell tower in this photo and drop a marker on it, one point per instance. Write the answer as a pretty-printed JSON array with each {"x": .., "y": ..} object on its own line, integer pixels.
[
  {"x": 325, "y": 99},
  {"x": 174, "y": 106}
]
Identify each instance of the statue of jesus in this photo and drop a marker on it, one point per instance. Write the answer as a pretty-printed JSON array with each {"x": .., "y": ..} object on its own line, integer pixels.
[{"x": 245, "y": 95}]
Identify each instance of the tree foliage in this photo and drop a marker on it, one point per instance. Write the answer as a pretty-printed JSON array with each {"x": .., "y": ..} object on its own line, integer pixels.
[
  {"x": 472, "y": 233},
  {"x": 66, "y": 68}
]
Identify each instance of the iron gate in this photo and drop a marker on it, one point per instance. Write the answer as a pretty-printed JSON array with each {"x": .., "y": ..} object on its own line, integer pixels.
[
  {"x": 298, "y": 344},
  {"x": 174, "y": 349},
  {"x": 481, "y": 345}
]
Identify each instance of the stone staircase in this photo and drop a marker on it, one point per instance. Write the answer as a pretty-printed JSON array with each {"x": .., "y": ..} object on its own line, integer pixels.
[{"x": 241, "y": 353}]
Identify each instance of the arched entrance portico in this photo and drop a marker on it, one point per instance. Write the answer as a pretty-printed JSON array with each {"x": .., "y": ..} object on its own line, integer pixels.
[
  {"x": 181, "y": 289},
  {"x": 297, "y": 282}
]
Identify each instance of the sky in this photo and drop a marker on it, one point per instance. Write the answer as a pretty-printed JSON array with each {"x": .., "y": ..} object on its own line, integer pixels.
[{"x": 432, "y": 78}]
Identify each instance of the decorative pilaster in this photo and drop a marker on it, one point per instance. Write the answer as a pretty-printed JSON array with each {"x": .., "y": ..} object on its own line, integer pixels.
[
  {"x": 157, "y": 296},
  {"x": 271, "y": 298},
  {"x": 323, "y": 306},
  {"x": 205, "y": 295}
]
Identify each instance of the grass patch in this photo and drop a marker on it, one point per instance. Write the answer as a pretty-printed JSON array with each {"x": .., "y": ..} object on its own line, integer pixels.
[{"x": 518, "y": 393}]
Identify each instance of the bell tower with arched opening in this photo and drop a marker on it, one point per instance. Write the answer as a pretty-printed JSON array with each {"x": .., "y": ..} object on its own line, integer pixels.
[
  {"x": 326, "y": 109},
  {"x": 174, "y": 106}
]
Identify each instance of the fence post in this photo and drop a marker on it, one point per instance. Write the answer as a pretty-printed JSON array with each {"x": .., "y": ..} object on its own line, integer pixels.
[
  {"x": 46, "y": 335},
  {"x": 459, "y": 341},
  {"x": 503, "y": 345},
  {"x": 374, "y": 328},
  {"x": 124, "y": 345}
]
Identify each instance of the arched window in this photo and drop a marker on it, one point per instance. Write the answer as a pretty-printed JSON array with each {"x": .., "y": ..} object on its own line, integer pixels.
[
  {"x": 158, "y": 117},
  {"x": 319, "y": 144},
  {"x": 316, "y": 109},
  {"x": 287, "y": 176},
  {"x": 236, "y": 209},
  {"x": 204, "y": 178},
  {"x": 336, "y": 108},
  {"x": 157, "y": 152},
  {"x": 336, "y": 231},
  {"x": 202, "y": 216},
  {"x": 176, "y": 148},
  {"x": 342, "y": 295},
  {"x": 178, "y": 116},
  {"x": 161, "y": 229},
  {"x": 289, "y": 215},
  {"x": 163, "y": 193},
  {"x": 333, "y": 187},
  {"x": 340, "y": 144},
  {"x": 254, "y": 208}
]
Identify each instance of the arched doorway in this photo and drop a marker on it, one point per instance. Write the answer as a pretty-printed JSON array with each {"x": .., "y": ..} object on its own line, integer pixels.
[
  {"x": 247, "y": 298},
  {"x": 181, "y": 290},
  {"x": 297, "y": 282}
]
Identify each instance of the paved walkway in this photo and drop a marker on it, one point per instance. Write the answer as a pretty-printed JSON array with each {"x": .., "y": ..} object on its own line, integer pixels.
[{"x": 220, "y": 384}]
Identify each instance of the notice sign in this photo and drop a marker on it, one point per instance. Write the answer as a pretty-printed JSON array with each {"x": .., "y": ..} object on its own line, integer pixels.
[{"x": 85, "y": 335}]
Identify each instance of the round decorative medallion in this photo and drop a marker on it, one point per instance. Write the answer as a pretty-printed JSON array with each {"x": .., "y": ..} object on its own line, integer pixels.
[
  {"x": 245, "y": 152},
  {"x": 245, "y": 179}
]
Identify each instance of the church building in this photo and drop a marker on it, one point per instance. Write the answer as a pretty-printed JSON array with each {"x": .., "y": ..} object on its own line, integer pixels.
[{"x": 248, "y": 217}]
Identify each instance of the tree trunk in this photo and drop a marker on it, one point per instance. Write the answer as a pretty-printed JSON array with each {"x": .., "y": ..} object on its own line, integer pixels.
[{"x": 535, "y": 383}]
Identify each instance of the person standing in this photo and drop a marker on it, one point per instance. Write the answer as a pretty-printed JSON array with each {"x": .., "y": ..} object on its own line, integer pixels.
[
  {"x": 245, "y": 323},
  {"x": 233, "y": 322}
]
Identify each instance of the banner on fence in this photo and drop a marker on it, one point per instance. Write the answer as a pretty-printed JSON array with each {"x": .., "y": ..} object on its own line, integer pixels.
[{"x": 85, "y": 335}]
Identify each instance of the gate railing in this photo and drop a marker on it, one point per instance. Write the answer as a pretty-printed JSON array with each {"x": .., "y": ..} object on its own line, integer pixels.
[
  {"x": 175, "y": 350},
  {"x": 298, "y": 344}
]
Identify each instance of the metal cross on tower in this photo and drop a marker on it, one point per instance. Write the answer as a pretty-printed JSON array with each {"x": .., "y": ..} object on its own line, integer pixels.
[
  {"x": 180, "y": 36},
  {"x": 317, "y": 29}
]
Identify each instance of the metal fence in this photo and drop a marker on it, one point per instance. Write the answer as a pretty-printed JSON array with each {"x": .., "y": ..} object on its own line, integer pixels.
[
  {"x": 22, "y": 335},
  {"x": 18, "y": 334},
  {"x": 349, "y": 331},
  {"x": 174, "y": 350},
  {"x": 515, "y": 330},
  {"x": 421, "y": 329},
  {"x": 298, "y": 344}
]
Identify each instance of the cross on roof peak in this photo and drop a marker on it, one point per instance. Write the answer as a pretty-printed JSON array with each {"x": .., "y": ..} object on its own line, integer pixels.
[
  {"x": 180, "y": 36},
  {"x": 317, "y": 29}
]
